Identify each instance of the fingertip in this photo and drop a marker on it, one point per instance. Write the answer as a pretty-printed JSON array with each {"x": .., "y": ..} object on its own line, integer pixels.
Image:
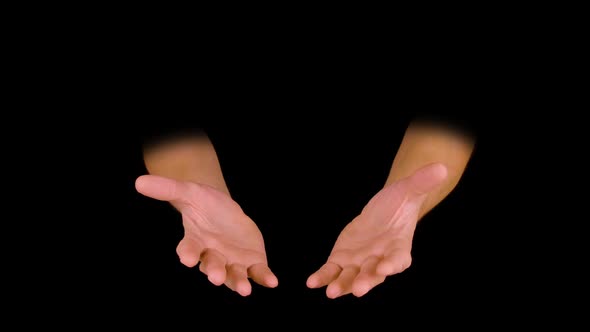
[
  {"x": 140, "y": 183},
  {"x": 189, "y": 260},
  {"x": 244, "y": 289},
  {"x": 360, "y": 291},
  {"x": 332, "y": 292},
  {"x": 216, "y": 278},
  {"x": 360, "y": 288},
  {"x": 272, "y": 281},
  {"x": 312, "y": 282},
  {"x": 385, "y": 268}
]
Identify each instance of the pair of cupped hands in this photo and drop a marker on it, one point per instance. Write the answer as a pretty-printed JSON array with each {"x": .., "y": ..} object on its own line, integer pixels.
[{"x": 230, "y": 247}]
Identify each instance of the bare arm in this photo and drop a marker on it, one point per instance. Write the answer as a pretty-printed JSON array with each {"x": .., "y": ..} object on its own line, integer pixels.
[
  {"x": 426, "y": 143},
  {"x": 218, "y": 235},
  {"x": 188, "y": 158}
]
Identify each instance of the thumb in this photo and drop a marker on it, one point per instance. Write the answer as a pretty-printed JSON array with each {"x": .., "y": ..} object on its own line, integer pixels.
[
  {"x": 427, "y": 178},
  {"x": 161, "y": 188}
]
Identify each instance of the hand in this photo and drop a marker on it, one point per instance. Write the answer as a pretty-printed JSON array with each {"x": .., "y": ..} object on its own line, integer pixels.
[
  {"x": 217, "y": 233},
  {"x": 378, "y": 242}
]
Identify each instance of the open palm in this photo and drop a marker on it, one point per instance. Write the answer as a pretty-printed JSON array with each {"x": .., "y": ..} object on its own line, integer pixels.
[
  {"x": 217, "y": 233},
  {"x": 378, "y": 242}
]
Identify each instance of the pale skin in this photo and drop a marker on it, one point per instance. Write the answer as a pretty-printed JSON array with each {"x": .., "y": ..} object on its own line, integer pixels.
[
  {"x": 378, "y": 242},
  {"x": 229, "y": 248}
]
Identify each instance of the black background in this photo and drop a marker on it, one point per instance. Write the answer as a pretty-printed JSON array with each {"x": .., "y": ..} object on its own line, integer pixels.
[
  {"x": 304, "y": 140},
  {"x": 302, "y": 157},
  {"x": 87, "y": 243},
  {"x": 302, "y": 176}
]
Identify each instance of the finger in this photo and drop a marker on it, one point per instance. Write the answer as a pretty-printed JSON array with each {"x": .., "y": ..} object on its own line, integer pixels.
[
  {"x": 189, "y": 252},
  {"x": 394, "y": 262},
  {"x": 262, "y": 275},
  {"x": 213, "y": 265},
  {"x": 161, "y": 188},
  {"x": 325, "y": 275},
  {"x": 343, "y": 284},
  {"x": 237, "y": 279},
  {"x": 427, "y": 178},
  {"x": 367, "y": 277}
]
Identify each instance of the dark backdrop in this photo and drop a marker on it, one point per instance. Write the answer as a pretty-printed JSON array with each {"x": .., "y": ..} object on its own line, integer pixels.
[
  {"x": 98, "y": 247},
  {"x": 301, "y": 176}
]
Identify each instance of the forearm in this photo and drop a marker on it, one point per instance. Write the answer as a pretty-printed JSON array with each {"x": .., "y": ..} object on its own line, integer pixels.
[
  {"x": 429, "y": 143},
  {"x": 187, "y": 158}
]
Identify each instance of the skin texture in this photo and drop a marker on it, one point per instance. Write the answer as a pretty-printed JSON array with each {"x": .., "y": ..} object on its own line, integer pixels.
[
  {"x": 378, "y": 242},
  {"x": 229, "y": 248},
  {"x": 217, "y": 234}
]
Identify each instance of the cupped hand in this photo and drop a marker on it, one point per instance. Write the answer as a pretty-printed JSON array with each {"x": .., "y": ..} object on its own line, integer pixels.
[
  {"x": 217, "y": 233},
  {"x": 378, "y": 242}
]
